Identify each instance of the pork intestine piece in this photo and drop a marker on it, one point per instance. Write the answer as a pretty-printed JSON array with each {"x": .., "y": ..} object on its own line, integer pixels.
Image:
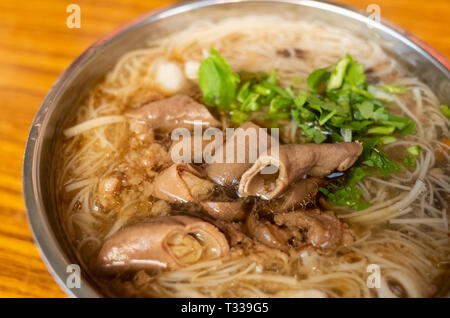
[
  {"x": 323, "y": 229},
  {"x": 298, "y": 195},
  {"x": 182, "y": 183},
  {"x": 167, "y": 242},
  {"x": 173, "y": 112},
  {"x": 299, "y": 229},
  {"x": 267, "y": 233},
  {"x": 294, "y": 162},
  {"x": 225, "y": 211},
  {"x": 228, "y": 173}
]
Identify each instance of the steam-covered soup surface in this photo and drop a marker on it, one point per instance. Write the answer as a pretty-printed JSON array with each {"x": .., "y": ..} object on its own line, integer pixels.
[{"x": 336, "y": 183}]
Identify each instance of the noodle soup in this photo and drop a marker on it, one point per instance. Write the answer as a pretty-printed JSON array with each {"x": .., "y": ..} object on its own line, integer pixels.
[{"x": 372, "y": 195}]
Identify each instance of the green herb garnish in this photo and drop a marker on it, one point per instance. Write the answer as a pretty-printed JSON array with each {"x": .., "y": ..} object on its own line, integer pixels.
[
  {"x": 394, "y": 89},
  {"x": 317, "y": 79},
  {"x": 445, "y": 110},
  {"x": 347, "y": 194},
  {"x": 217, "y": 81},
  {"x": 336, "y": 105},
  {"x": 414, "y": 152}
]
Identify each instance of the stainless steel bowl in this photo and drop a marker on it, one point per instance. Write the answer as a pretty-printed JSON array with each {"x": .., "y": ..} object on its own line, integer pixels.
[{"x": 73, "y": 85}]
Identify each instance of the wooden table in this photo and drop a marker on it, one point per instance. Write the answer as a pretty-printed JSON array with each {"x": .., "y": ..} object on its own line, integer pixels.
[{"x": 36, "y": 46}]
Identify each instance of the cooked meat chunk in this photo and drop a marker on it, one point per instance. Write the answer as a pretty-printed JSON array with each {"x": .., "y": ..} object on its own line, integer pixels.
[
  {"x": 323, "y": 229},
  {"x": 236, "y": 154},
  {"x": 173, "y": 112},
  {"x": 226, "y": 211},
  {"x": 298, "y": 195},
  {"x": 107, "y": 190},
  {"x": 182, "y": 183},
  {"x": 168, "y": 242},
  {"x": 295, "y": 162},
  {"x": 267, "y": 233},
  {"x": 235, "y": 233}
]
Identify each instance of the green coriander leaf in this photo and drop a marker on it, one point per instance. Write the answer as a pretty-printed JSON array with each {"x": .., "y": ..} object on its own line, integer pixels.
[
  {"x": 381, "y": 163},
  {"x": 244, "y": 91},
  {"x": 381, "y": 130},
  {"x": 276, "y": 89},
  {"x": 238, "y": 117},
  {"x": 337, "y": 76},
  {"x": 396, "y": 124},
  {"x": 290, "y": 92},
  {"x": 272, "y": 78},
  {"x": 385, "y": 140},
  {"x": 394, "y": 89},
  {"x": 318, "y": 78},
  {"x": 380, "y": 94},
  {"x": 380, "y": 114},
  {"x": 279, "y": 103},
  {"x": 217, "y": 81},
  {"x": 404, "y": 125},
  {"x": 409, "y": 161},
  {"x": 358, "y": 125},
  {"x": 414, "y": 151},
  {"x": 261, "y": 90},
  {"x": 318, "y": 102},
  {"x": 302, "y": 115},
  {"x": 335, "y": 137},
  {"x": 318, "y": 136},
  {"x": 445, "y": 110},
  {"x": 325, "y": 117},
  {"x": 300, "y": 100},
  {"x": 347, "y": 194},
  {"x": 366, "y": 109},
  {"x": 409, "y": 128},
  {"x": 357, "y": 175},
  {"x": 342, "y": 98},
  {"x": 337, "y": 121},
  {"x": 365, "y": 94},
  {"x": 313, "y": 134},
  {"x": 355, "y": 74},
  {"x": 250, "y": 103}
]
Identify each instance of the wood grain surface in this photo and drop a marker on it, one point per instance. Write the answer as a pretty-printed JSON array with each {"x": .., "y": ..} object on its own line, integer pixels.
[{"x": 36, "y": 46}]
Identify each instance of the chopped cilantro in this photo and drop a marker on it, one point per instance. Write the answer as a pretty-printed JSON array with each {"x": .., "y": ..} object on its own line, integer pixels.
[
  {"x": 347, "y": 194},
  {"x": 413, "y": 151},
  {"x": 394, "y": 89},
  {"x": 381, "y": 130},
  {"x": 355, "y": 75},
  {"x": 381, "y": 163},
  {"x": 317, "y": 79},
  {"x": 366, "y": 109},
  {"x": 385, "y": 140},
  {"x": 313, "y": 134},
  {"x": 238, "y": 117},
  {"x": 325, "y": 117},
  {"x": 217, "y": 81},
  {"x": 250, "y": 103},
  {"x": 338, "y": 105},
  {"x": 445, "y": 110},
  {"x": 337, "y": 76}
]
